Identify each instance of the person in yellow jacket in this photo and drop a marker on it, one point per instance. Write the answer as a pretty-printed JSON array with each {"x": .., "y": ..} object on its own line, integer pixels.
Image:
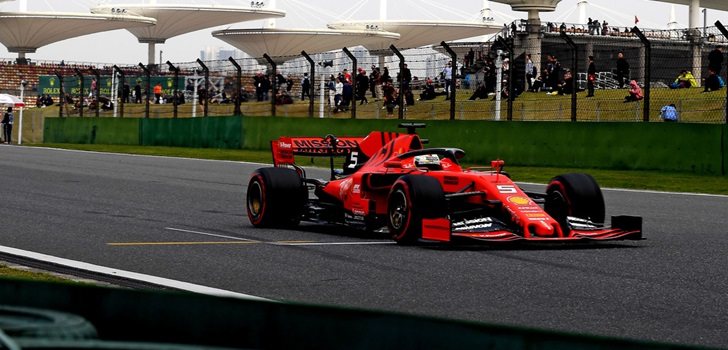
[{"x": 684, "y": 80}]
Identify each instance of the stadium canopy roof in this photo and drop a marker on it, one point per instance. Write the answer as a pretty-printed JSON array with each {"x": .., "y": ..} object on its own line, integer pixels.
[
  {"x": 174, "y": 20},
  {"x": 25, "y": 32},
  {"x": 282, "y": 44},
  {"x": 415, "y": 33},
  {"x": 721, "y": 5},
  {"x": 531, "y": 5}
]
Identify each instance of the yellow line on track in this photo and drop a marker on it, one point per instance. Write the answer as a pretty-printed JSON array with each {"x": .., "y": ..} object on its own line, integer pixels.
[{"x": 131, "y": 244}]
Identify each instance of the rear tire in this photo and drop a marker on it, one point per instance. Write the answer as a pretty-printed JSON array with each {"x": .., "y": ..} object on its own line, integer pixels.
[
  {"x": 275, "y": 197},
  {"x": 576, "y": 195},
  {"x": 411, "y": 199}
]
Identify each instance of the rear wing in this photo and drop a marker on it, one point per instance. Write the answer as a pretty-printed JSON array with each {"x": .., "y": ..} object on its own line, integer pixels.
[{"x": 286, "y": 148}]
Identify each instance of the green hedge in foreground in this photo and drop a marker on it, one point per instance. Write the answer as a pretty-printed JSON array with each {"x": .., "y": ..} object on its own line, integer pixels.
[{"x": 695, "y": 148}]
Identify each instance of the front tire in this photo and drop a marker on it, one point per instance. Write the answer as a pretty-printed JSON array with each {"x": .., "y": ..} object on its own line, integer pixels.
[
  {"x": 411, "y": 199},
  {"x": 275, "y": 197},
  {"x": 576, "y": 195}
]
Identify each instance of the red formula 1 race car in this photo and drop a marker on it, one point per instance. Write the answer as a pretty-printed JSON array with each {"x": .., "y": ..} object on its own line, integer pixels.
[{"x": 390, "y": 180}]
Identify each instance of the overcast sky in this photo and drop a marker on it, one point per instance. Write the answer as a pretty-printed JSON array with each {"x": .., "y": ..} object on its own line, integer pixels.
[{"x": 122, "y": 47}]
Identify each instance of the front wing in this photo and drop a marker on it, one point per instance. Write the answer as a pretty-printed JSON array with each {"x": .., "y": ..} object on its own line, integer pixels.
[{"x": 490, "y": 230}]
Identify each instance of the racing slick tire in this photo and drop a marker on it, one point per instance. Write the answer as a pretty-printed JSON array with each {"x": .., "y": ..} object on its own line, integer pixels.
[
  {"x": 411, "y": 199},
  {"x": 576, "y": 195},
  {"x": 275, "y": 198}
]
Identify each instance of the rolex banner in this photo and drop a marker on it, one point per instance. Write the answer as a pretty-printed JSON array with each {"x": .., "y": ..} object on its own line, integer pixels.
[{"x": 50, "y": 84}]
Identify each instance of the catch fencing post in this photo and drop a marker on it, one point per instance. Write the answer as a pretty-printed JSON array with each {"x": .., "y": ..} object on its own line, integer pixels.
[
  {"x": 401, "y": 79},
  {"x": 123, "y": 82},
  {"x": 511, "y": 67},
  {"x": 207, "y": 86},
  {"x": 97, "y": 93},
  {"x": 453, "y": 79},
  {"x": 174, "y": 69},
  {"x": 648, "y": 71},
  {"x": 574, "y": 65},
  {"x": 274, "y": 83},
  {"x": 312, "y": 85},
  {"x": 353, "y": 82},
  {"x": 80, "y": 94},
  {"x": 238, "y": 85},
  {"x": 724, "y": 31},
  {"x": 149, "y": 86},
  {"x": 23, "y": 83},
  {"x": 61, "y": 95}
]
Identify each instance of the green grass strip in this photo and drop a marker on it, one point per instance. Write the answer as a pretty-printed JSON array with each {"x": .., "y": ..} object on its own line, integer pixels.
[{"x": 641, "y": 180}]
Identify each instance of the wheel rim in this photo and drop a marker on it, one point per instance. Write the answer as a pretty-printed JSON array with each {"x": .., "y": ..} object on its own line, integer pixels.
[
  {"x": 255, "y": 199},
  {"x": 557, "y": 205},
  {"x": 398, "y": 212}
]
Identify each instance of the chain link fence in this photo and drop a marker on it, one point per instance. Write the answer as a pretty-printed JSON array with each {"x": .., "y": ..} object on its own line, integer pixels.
[{"x": 492, "y": 80}]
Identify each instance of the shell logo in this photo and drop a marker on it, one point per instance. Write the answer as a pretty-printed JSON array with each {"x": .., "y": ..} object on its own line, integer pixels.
[{"x": 519, "y": 200}]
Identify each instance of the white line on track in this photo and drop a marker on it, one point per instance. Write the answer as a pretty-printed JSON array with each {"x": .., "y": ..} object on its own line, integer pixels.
[
  {"x": 331, "y": 243},
  {"x": 281, "y": 243},
  {"x": 209, "y": 234},
  {"x": 159, "y": 281}
]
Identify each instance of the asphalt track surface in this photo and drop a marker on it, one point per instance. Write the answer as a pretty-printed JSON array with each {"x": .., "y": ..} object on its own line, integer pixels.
[{"x": 184, "y": 219}]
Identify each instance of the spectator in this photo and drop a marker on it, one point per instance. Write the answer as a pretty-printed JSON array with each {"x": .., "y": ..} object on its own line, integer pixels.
[
  {"x": 590, "y": 24},
  {"x": 125, "y": 92},
  {"x": 684, "y": 80},
  {"x": 347, "y": 76},
  {"x": 289, "y": 85},
  {"x": 470, "y": 58},
  {"x": 635, "y": 92},
  {"x": 258, "y": 82},
  {"x": 669, "y": 113},
  {"x": 331, "y": 87},
  {"x": 390, "y": 97},
  {"x": 281, "y": 82},
  {"x": 428, "y": 92},
  {"x": 305, "y": 87},
  {"x": 385, "y": 77},
  {"x": 537, "y": 84},
  {"x": 137, "y": 93},
  {"x": 622, "y": 69},
  {"x": 567, "y": 87},
  {"x": 362, "y": 84},
  {"x": 713, "y": 82},
  {"x": 479, "y": 93},
  {"x": 265, "y": 87},
  {"x": 347, "y": 95},
  {"x": 179, "y": 98},
  {"x": 92, "y": 93},
  {"x": 375, "y": 83},
  {"x": 406, "y": 78},
  {"x": 553, "y": 72},
  {"x": 158, "y": 93},
  {"x": 605, "y": 27},
  {"x": 715, "y": 60},
  {"x": 47, "y": 100},
  {"x": 530, "y": 71},
  {"x": 447, "y": 75},
  {"x": 591, "y": 77},
  {"x": 339, "y": 93},
  {"x": 7, "y": 123}
]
